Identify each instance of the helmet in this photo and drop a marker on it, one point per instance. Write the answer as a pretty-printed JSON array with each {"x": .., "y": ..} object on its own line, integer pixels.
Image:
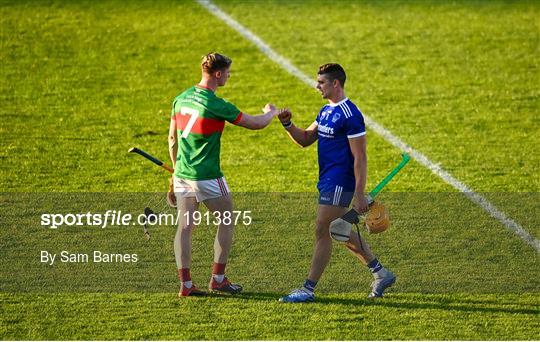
[{"x": 377, "y": 219}]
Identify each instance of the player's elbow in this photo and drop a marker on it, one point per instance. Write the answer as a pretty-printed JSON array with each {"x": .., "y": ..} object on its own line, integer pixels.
[
  {"x": 363, "y": 155},
  {"x": 307, "y": 140},
  {"x": 172, "y": 141},
  {"x": 360, "y": 158},
  {"x": 303, "y": 143}
]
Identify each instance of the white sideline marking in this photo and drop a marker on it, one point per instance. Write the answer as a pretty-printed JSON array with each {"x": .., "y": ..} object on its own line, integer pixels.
[{"x": 391, "y": 138}]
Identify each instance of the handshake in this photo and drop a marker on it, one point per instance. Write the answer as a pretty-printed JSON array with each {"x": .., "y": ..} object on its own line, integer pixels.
[{"x": 284, "y": 114}]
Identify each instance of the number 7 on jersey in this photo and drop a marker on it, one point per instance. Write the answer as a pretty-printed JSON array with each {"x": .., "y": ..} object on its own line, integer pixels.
[{"x": 194, "y": 114}]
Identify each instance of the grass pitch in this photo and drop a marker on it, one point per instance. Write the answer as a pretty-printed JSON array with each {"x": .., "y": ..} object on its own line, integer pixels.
[
  {"x": 83, "y": 81},
  {"x": 259, "y": 316}
]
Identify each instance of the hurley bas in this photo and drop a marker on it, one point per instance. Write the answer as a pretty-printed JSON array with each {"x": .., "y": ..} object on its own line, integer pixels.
[{"x": 96, "y": 257}]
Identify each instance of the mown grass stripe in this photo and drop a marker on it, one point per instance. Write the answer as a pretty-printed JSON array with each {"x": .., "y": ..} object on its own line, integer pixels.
[{"x": 379, "y": 129}]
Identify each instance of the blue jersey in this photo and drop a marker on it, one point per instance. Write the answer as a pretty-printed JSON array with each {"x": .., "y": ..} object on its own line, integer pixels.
[{"x": 336, "y": 123}]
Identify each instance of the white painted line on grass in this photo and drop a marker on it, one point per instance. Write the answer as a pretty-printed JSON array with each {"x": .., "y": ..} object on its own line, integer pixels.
[{"x": 379, "y": 129}]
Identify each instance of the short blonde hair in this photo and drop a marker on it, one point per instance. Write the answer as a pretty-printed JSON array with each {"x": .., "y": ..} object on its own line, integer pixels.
[{"x": 214, "y": 61}]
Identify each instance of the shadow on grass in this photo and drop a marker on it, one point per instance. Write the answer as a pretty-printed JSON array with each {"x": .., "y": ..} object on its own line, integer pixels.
[{"x": 404, "y": 302}]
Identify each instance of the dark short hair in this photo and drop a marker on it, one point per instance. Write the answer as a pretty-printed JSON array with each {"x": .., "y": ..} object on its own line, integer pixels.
[
  {"x": 333, "y": 71},
  {"x": 214, "y": 61}
]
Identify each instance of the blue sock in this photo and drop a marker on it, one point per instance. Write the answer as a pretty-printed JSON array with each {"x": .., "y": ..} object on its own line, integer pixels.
[
  {"x": 310, "y": 285},
  {"x": 375, "y": 266}
]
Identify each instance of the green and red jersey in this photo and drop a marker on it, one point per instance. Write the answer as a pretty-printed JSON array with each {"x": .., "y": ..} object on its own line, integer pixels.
[{"x": 200, "y": 117}]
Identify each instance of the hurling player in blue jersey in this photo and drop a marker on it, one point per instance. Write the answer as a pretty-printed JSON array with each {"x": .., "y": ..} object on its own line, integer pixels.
[{"x": 341, "y": 134}]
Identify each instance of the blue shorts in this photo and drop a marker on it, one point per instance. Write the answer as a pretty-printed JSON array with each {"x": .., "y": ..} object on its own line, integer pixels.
[{"x": 337, "y": 195}]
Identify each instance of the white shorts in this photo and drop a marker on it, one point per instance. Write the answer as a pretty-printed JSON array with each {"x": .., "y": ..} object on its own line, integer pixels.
[{"x": 202, "y": 189}]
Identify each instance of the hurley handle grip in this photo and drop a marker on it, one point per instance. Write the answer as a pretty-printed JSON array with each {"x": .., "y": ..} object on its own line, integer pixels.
[{"x": 151, "y": 158}]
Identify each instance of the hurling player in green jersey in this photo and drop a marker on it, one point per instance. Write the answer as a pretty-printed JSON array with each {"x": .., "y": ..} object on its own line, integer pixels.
[{"x": 197, "y": 121}]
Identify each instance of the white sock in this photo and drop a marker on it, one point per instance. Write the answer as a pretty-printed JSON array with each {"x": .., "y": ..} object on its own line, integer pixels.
[
  {"x": 218, "y": 277},
  {"x": 187, "y": 284}
]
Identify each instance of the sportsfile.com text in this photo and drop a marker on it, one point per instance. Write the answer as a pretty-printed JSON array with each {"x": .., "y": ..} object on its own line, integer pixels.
[{"x": 111, "y": 218}]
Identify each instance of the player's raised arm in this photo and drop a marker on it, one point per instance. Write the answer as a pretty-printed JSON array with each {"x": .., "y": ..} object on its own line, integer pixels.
[
  {"x": 258, "y": 121},
  {"x": 303, "y": 137}
]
